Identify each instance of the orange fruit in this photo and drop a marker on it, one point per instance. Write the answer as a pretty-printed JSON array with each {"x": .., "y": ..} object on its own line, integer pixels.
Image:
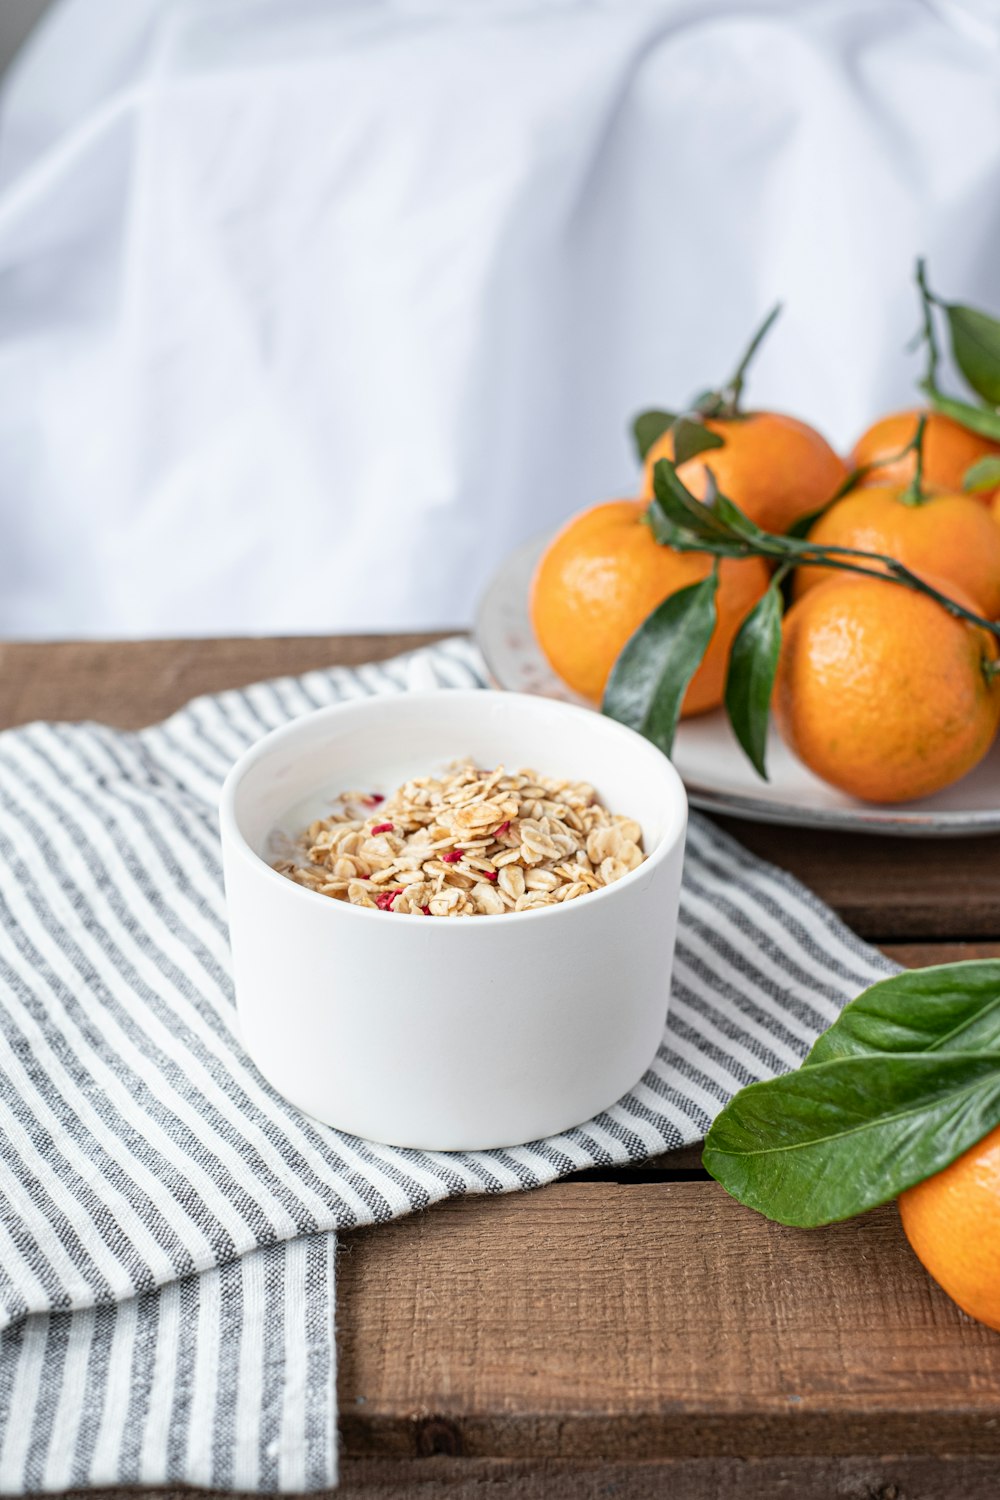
[
  {"x": 949, "y": 450},
  {"x": 882, "y": 692},
  {"x": 952, "y": 1220},
  {"x": 952, "y": 536},
  {"x": 600, "y": 578},
  {"x": 774, "y": 468}
]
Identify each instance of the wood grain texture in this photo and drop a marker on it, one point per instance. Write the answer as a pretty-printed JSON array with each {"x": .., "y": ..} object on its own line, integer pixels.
[
  {"x": 438, "y": 1477},
  {"x": 651, "y": 1318},
  {"x": 869, "y": 1478},
  {"x": 887, "y": 888},
  {"x": 131, "y": 683},
  {"x": 922, "y": 955},
  {"x": 587, "y": 1321}
]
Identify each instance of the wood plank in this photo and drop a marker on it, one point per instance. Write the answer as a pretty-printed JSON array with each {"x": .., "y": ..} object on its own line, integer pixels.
[
  {"x": 647, "y": 1322},
  {"x": 890, "y": 889},
  {"x": 920, "y": 955},
  {"x": 871, "y": 1478},
  {"x": 131, "y": 683},
  {"x": 438, "y": 1477},
  {"x": 643, "y": 1322}
]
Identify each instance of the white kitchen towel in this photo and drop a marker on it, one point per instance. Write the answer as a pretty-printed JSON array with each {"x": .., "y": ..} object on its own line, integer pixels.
[{"x": 167, "y": 1221}]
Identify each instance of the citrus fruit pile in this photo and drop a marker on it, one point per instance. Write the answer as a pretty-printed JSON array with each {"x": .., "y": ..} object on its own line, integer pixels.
[{"x": 862, "y": 592}]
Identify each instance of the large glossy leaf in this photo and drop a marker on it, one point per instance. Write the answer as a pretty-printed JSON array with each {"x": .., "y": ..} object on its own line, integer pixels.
[
  {"x": 835, "y": 1139},
  {"x": 975, "y": 343},
  {"x": 650, "y": 677},
  {"x": 947, "y": 1008},
  {"x": 648, "y": 427},
  {"x": 753, "y": 662}
]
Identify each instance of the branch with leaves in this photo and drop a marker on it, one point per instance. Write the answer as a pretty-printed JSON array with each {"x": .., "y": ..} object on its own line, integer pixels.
[{"x": 648, "y": 681}]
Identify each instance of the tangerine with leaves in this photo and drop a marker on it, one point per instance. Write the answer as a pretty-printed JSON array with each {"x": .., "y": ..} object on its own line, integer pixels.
[
  {"x": 882, "y": 692},
  {"x": 776, "y": 468},
  {"x": 951, "y": 535},
  {"x": 950, "y": 450},
  {"x": 600, "y": 578},
  {"x": 952, "y": 1220}
]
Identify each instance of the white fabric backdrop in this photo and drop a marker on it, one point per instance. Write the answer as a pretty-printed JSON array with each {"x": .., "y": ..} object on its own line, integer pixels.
[{"x": 309, "y": 309}]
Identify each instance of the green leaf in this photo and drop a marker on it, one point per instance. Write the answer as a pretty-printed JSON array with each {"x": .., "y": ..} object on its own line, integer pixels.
[
  {"x": 976, "y": 418},
  {"x": 692, "y": 438},
  {"x": 675, "y": 504},
  {"x": 983, "y": 475},
  {"x": 975, "y": 343},
  {"x": 648, "y": 427},
  {"x": 706, "y": 403},
  {"x": 753, "y": 662},
  {"x": 904, "y": 1081},
  {"x": 946, "y": 1008},
  {"x": 729, "y": 513},
  {"x": 648, "y": 681},
  {"x": 837, "y": 1138}
]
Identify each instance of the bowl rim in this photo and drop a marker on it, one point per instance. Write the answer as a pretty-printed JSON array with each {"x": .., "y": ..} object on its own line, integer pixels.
[{"x": 233, "y": 837}]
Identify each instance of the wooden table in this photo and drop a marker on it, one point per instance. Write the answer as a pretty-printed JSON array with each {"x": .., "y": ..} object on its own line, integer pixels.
[{"x": 632, "y": 1333}]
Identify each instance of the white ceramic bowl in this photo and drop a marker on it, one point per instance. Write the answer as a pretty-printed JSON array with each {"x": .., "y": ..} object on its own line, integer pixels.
[{"x": 450, "y": 1033}]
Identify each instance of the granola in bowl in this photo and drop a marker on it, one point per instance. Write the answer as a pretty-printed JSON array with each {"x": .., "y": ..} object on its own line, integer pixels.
[{"x": 470, "y": 842}]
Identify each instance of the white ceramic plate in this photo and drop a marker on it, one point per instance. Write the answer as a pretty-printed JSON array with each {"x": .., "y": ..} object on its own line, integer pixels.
[{"x": 716, "y": 773}]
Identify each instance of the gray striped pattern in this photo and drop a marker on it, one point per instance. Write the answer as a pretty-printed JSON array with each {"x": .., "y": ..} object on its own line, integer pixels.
[
  {"x": 162, "y": 1211},
  {"x": 222, "y": 1379}
]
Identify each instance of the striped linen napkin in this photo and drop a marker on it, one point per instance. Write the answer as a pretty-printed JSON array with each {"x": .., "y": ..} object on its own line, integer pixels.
[{"x": 167, "y": 1221}]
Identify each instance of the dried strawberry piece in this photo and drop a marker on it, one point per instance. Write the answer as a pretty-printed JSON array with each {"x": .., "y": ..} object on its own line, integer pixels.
[
  {"x": 499, "y": 832},
  {"x": 453, "y": 856},
  {"x": 426, "y": 910},
  {"x": 382, "y": 828},
  {"x": 384, "y": 899},
  {"x": 490, "y": 874},
  {"x": 373, "y": 799}
]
